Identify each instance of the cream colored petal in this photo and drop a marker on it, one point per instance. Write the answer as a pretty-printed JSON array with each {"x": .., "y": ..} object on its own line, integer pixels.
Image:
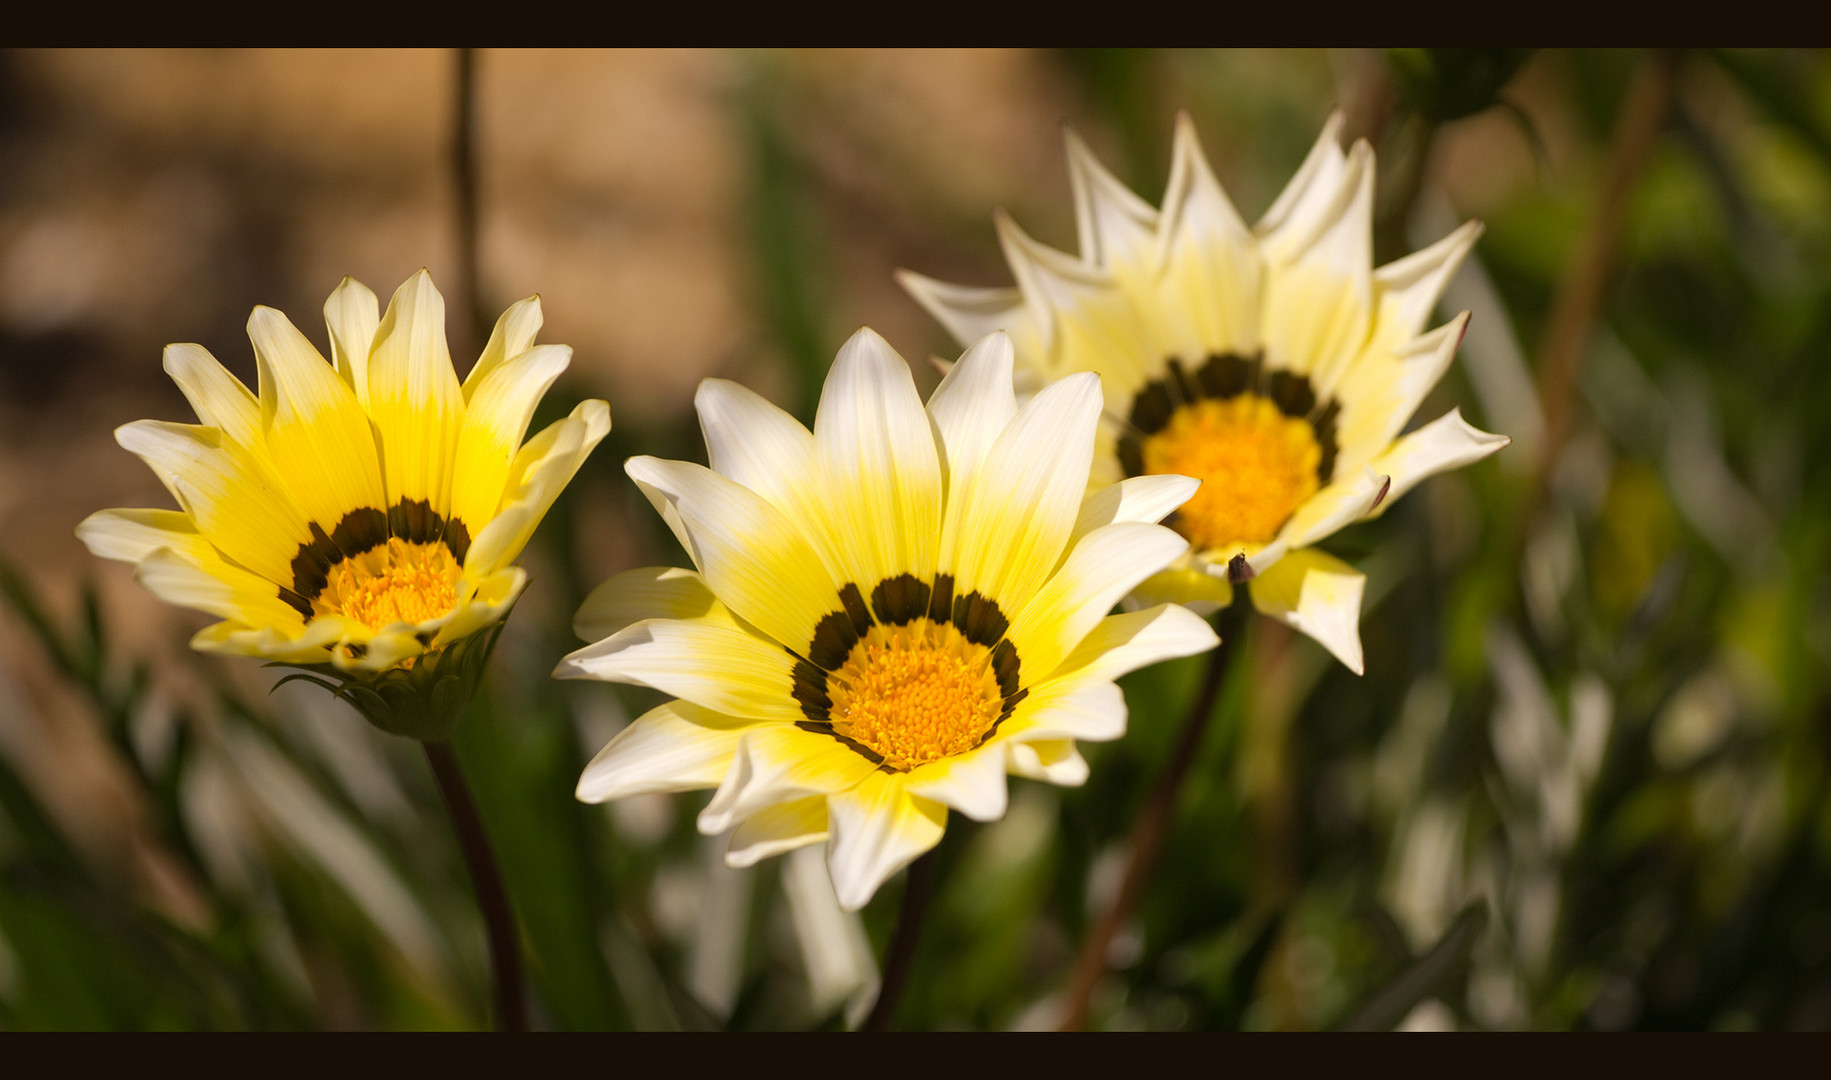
[
  {"x": 487, "y": 605},
  {"x": 1448, "y": 442},
  {"x": 1086, "y": 322},
  {"x": 1379, "y": 396},
  {"x": 1131, "y": 640},
  {"x": 1319, "y": 293},
  {"x": 381, "y": 649},
  {"x": 351, "y": 315},
  {"x": 776, "y": 763},
  {"x": 969, "y": 312},
  {"x": 971, "y": 408},
  {"x": 1190, "y": 584},
  {"x": 1318, "y": 595},
  {"x": 1209, "y": 282},
  {"x": 674, "y": 747},
  {"x": 1137, "y": 498},
  {"x": 1018, "y": 513},
  {"x": 1071, "y": 707},
  {"x": 414, "y": 397},
  {"x": 708, "y": 662},
  {"x": 217, "y": 588},
  {"x": 876, "y": 829},
  {"x": 1102, "y": 568},
  {"x": 753, "y": 557},
  {"x": 1055, "y": 761},
  {"x": 1311, "y": 188},
  {"x": 972, "y": 783},
  {"x": 285, "y": 645},
  {"x": 220, "y": 398},
  {"x": 882, "y": 470},
  {"x": 777, "y": 829},
  {"x": 1407, "y": 289},
  {"x": 316, "y": 433},
  {"x": 513, "y": 335},
  {"x": 496, "y": 417},
  {"x": 231, "y": 494},
  {"x": 1343, "y": 502},
  {"x": 1118, "y": 230},
  {"x": 132, "y": 535},
  {"x": 648, "y": 592},
  {"x": 664, "y": 506},
  {"x": 541, "y": 470},
  {"x": 754, "y": 443}
]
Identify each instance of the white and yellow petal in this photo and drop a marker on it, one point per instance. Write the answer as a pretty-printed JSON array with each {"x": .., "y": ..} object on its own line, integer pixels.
[
  {"x": 1319, "y": 595},
  {"x": 754, "y": 443},
  {"x": 316, "y": 434},
  {"x": 1054, "y": 761},
  {"x": 710, "y": 661},
  {"x": 756, "y": 560},
  {"x": 673, "y": 747},
  {"x": 879, "y": 460},
  {"x": 972, "y": 783},
  {"x": 875, "y": 829},
  {"x": 414, "y": 398},
  {"x": 220, "y": 399},
  {"x": 1014, "y": 520},
  {"x": 512, "y": 335},
  {"x": 1448, "y": 442},
  {"x": 1194, "y": 582},
  {"x": 1124, "y": 642},
  {"x": 1104, "y": 566},
  {"x": 776, "y": 763},
  {"x": 351, "y": 315},
  {"x": 497, "y": 409},
  {"x": 541, "y": 470},
  {"x": 1211, "y": 279},
  {"x": 778, "y": 829},
  {"x": 647, "y": 592},
  {"x": 230, "y": 492},
  {"x": 973, "y": 405}
]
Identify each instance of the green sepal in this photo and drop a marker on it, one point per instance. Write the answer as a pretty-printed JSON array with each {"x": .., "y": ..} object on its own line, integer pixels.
[{"x": 423, "y": 700}]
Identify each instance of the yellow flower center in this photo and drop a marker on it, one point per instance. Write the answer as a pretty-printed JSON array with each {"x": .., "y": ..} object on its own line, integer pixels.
[
  {"x": 915, "y": 693},
  {"x": 399, "y": 581},
  {"x": 1256, "y": 465}
]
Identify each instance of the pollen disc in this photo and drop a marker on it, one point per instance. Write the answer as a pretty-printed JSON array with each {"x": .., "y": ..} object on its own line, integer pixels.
[
  {"x": 915, "y": 693},
  {"x": 1256, "y": 465},
  {"x": 399, "y": 581}
]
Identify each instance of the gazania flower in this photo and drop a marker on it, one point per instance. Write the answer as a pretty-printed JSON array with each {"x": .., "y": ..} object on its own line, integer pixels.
[
  {"x": 1275, "y": 364},
  {"x": 887, "y": 614},
  {"x": 359, "y": 513}
]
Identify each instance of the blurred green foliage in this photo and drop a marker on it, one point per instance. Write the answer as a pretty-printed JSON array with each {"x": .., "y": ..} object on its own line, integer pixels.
[{"x": 1582, "y": 785}]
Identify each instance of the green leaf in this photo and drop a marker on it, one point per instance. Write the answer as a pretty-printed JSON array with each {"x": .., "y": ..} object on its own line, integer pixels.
[{"x": 1388, "y": 1006}]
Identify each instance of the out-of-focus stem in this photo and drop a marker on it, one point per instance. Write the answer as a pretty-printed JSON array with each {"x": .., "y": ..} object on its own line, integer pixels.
[
  {"x": 1149, "y": 830},
  {"x": 1572, "y": 321},
  {"x": 472, "y": 324},
  {"x": 486, "y": 879},
  {"x": 917, "y": 889}
]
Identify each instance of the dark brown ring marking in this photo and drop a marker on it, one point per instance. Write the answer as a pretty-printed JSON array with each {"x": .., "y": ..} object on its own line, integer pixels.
[
  {"x": 361, "y": 530},
  {"x": 1224, "y": 376}
]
